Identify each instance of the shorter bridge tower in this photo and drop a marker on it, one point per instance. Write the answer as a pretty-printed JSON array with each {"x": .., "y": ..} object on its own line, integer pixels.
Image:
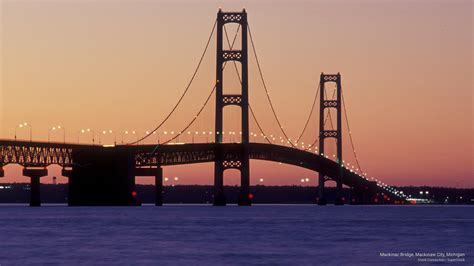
[
  {"x": 334, "y": 133},
  {"x": 222, "y": 161}
]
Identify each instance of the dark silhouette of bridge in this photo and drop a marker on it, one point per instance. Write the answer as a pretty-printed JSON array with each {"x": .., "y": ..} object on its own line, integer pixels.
[{"x": 101, "y": 175}]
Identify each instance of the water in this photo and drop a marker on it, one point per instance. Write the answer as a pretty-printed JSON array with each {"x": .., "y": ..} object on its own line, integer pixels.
[{"x": 205, "y": 235}]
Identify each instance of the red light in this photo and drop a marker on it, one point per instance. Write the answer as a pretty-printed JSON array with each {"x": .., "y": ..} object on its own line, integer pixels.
[
  {"x": 250, "y": 196},
  {"x": 376, "y": 200},
  {"x": 134, "y": 193}
]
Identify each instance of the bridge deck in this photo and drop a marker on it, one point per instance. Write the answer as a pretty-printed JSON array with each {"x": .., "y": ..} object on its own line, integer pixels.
[{"x": 42, "y": 154}]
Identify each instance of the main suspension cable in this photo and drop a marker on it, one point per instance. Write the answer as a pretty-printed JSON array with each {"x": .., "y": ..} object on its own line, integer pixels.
[
  {"x": 258, "y": 125},
  {"x": 202, "y": 108},
  {"x": 266, "y": 90},
  {"x": 310, "y": 114},
  {"x": 350, "y": 132},
  {"x": 184, "y": 92},
  {"x": 328, "y": 115},
  {"x": 194, "y": 119}
]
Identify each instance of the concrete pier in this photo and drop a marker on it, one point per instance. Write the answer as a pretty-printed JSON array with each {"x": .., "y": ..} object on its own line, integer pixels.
[
  {"x": 157, "y": 172},
  {"x": 35, "y": 175}
]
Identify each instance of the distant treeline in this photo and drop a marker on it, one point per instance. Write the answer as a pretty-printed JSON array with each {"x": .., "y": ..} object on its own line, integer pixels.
[{"x": 20, "y": 193}]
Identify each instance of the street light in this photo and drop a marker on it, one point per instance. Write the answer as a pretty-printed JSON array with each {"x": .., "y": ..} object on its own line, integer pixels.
[
  {"x": 126, "y": 133},
  {"x": 304, "y": 180},
  {"x": 22, "y": 125},
  {"x": 157, "y": 136},
  {"x": 147, "y": 133},
  {"x": 49, "y": 132},
  {"x": 83, "y": 131},
  {"x": 192, "y": 136},
  {"x": 133, "y": 133},
  {"x": 79, "y": 132},
  {"x": 57, "y": 128},
  {"x": 104, "y": 132},
  {"x": 64, "y": 133},
  {"x": 93, "y": 135}
]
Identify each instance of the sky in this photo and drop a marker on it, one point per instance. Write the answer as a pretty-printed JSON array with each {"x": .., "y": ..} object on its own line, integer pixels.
[{"x": 121, "y": 65}]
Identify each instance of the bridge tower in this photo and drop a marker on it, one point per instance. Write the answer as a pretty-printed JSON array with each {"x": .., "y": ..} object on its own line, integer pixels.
[
  {"x": 224, "y": 161},
  {"x": 337, "y": 133}
]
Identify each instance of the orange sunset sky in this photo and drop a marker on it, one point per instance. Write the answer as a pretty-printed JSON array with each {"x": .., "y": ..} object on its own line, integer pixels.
[{"x": 406, "y": 71}]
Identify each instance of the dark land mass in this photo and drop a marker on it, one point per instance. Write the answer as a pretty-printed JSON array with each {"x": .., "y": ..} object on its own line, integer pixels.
[{"x": 20, "y": 193}]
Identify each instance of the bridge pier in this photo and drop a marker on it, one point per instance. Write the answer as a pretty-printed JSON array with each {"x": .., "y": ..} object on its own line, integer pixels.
[
  {"x": 339, "y": 194},
  {"x": 244, "y": 194},
  {"x": 157, "y": 172},
  {"x": 67, "y": 172},
  {"x": 35, "y": 174},
  {"x": 364, "y": 195},
  {"x": 102, "y": 176},
  {"x": 159, "y": 187},
  {"x": 321, "y": 198},
  {"x": 219, "y": 196},
  {"x": 358, "y": 196}
]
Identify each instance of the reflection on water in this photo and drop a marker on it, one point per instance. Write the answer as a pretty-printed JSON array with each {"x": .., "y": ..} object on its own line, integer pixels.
[{"x": 261, "y": 234}]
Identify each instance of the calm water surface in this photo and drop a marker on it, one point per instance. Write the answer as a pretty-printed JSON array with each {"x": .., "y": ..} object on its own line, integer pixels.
[{"x": 261, "y": 234}]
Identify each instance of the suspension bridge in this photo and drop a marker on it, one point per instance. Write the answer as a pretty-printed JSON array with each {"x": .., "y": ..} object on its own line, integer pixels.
[{"x": 105, "y": 174}]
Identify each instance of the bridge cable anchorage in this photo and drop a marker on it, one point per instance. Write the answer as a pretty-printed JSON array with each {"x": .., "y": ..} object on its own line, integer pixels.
[
  {"x": 203, "y": 106},
  {"x": 325, "y": 121},
  {"x": 185, "y": 90},
  {"x": 350, "y": 132},
  {"x": 266, "y": 91},
  {"x": 240, "y": 80}
]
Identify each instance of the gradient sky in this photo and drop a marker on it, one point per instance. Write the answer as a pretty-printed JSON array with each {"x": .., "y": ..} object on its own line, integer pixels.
[{"x": 406, "y": 69}]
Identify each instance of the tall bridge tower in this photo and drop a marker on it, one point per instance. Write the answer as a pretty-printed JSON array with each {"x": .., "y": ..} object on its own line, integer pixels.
[
  {"x": 334, "y": 133},
  {"x": 222, "y": 161}
]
